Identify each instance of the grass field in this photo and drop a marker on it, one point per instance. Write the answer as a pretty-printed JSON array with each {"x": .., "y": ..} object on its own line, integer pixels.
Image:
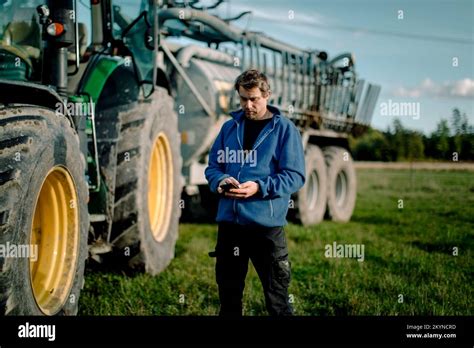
[{"x": 408, "y": 252}]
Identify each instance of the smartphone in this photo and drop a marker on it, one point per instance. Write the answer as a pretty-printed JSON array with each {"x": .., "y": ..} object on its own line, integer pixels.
[{"x": 228, "y": 186}]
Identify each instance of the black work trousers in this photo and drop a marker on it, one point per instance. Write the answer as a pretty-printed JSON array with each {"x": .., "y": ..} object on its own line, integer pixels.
[{"x": 267, "y": 248}]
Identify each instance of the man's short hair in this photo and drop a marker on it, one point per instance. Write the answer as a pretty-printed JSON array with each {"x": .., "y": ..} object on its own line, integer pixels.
[{"x": 252, "y": 78}]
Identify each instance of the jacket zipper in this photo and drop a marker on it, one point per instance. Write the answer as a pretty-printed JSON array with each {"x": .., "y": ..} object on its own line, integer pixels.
[
  {"x": 234, "y": 205},
  {"x": 262, "y": 138},
  {"x": 253, "y": 148}
]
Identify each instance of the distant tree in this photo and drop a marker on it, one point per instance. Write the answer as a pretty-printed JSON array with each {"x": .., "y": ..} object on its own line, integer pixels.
[
  {"x": 397, "y": 126},
  {"x": 467, "y": 142},
  {"x": 465, "y": 128},
  {"x": 457, "y": 128},
  {"x": 415, "y": 145},
  {"x": 463, "y": 134},
  {"x": 441, "y": 138},
  {"x": 398, "y": 143},
  {"x": 467, "y": 146},
  {"x": 456, "y": 120},
  {"x": 372, "y": 146}
]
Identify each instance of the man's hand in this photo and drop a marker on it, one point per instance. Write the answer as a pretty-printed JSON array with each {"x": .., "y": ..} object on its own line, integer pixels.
[
  {"x": 229, "y": 180},
  {"x": 246, "y": 190}
]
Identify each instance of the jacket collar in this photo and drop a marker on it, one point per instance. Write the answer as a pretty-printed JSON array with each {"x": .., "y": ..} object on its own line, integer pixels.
[{"x": 239, "y": 115}]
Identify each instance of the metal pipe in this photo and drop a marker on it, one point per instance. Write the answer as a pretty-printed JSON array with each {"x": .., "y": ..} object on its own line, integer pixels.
[
  {"x": 251, "y": 54},
  {"x": 332, "y": 100},
  {"x": 76, "y": 38},
  {"x": 276, "y": 87},
  {"x": 228, "y": 31},
  {"x": 304, "y": 76},
  {"x": 55, "y": 64},
  {"x": 317, "y": 86},
  {"x": 264, "y": 66},
  {"x": 257, "y": 53},
  {"x": 356, "y": 97},
  {"x": 188, "y": 81},
  {"x": 186, "y": 53},
  {"x": 290, "y": 87},
  {"x": 283, "y": 83},
  {"x": 244, "y": 60},
  {"x": 297, "y": 87},
  {"x": 274, "y": 44}
]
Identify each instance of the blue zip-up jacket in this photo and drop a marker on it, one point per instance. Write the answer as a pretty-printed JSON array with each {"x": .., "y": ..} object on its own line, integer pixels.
[{"x": 276, "y": 164}]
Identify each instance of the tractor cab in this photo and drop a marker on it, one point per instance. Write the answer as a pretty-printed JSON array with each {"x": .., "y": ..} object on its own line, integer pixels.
[
  {"x": 20, "y": 40},
  {"x": 28, "y": 28},
  {"x": 20, "y": 36}
]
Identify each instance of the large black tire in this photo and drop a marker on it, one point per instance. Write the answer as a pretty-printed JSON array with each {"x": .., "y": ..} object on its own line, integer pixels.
[
  {"x": 342, "y": 183},
  {"x": 40, "y": 163},
  {"x": 143, "y": 246},
  {"x": 311, "y": 198}
]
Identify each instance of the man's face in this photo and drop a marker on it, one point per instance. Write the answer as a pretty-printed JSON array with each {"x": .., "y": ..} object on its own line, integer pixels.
[{"x": 253, "y": 102}]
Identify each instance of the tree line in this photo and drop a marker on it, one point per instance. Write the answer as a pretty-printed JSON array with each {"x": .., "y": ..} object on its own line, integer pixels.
[{"x": 452, "y": 140}]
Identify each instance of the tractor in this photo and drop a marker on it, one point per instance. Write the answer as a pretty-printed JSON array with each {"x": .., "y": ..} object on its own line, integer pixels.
[{"x": 108, "y": 109}]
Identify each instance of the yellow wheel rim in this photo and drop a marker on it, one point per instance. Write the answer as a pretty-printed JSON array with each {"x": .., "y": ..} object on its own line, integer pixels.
[
  {"x": 160, "y": 187},
  {"x": 55, "y": 234}
]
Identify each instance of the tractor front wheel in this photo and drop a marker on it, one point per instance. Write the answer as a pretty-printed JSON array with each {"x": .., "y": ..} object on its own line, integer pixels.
[{"x": 43, "y": 213}]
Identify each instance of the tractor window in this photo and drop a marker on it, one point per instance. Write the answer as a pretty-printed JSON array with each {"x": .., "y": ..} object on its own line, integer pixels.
[
  {"x": 20, "y": 38},
  {"x": 84, "y": 17},
  {"x": 19, "y": 25},
  {"x": 125, "y": 11},
  {"x": 133, "y": 23}
]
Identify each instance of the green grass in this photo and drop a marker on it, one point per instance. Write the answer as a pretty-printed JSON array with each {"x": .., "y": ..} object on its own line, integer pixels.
[{"x": 408, "y": 251}]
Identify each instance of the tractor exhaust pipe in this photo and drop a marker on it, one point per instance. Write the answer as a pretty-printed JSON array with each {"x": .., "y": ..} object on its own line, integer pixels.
[{"x": 57, "y": 18}]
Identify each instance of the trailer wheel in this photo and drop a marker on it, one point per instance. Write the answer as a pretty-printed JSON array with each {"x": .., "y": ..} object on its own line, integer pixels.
[
  {"x": 311, "y": 198},
  {"x": 43, "y": 213},
  {"x": 148, "y": 185},
  {"x": 342, "y": 186}
]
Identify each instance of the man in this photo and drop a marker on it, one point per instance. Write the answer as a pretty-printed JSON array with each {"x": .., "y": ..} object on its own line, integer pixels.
[{"x": 255, "y": 164}]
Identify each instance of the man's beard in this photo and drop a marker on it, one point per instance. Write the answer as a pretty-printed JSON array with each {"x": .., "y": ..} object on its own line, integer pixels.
[{"x": 251, "y": 115}]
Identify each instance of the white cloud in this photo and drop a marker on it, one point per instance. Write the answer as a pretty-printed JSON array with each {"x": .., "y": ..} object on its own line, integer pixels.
[{"x": 449, "y": 89}]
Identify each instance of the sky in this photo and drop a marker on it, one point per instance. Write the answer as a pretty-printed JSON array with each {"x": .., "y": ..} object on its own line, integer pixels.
[{"x": 419, "y": 51}]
